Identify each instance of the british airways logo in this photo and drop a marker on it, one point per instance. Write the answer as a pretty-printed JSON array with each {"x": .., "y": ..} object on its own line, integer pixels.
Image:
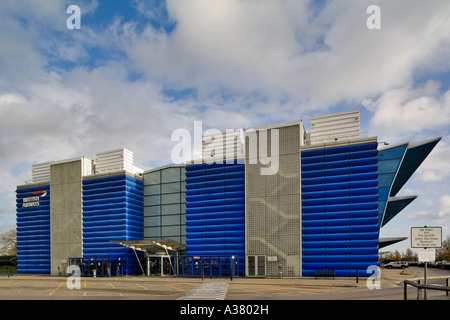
[{"x": 34, "y": 200}]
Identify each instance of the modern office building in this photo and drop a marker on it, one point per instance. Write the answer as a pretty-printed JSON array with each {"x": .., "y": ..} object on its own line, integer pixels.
[{"x": 267, "y": 201}]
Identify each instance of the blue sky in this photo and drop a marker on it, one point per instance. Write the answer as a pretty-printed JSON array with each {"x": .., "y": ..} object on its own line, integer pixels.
[{"x": 137, "y": 70}]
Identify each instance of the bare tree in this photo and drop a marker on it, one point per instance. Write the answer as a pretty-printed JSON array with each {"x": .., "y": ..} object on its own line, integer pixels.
[{"x": 8, "y": 242}]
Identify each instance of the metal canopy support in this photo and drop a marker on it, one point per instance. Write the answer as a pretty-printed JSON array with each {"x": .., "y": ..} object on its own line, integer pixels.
[
  {"x": 137, "y": 258},
  {"x": 167, "y": 252}
]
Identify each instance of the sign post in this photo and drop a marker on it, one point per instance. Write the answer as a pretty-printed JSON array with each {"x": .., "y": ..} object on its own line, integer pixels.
[{"x": 426, "y": 238}]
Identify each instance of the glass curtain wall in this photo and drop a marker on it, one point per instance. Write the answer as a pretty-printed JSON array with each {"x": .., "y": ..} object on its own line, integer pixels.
[{"x": 165, "y": 204}]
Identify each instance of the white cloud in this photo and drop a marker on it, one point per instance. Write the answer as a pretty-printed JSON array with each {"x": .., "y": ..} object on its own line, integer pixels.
[
  {"x": 410, "y": 110},
  {"x": 436, "y": 210},
  {"x": 430, "y": 175},
  {"x": 444, "y": 206},
  {"x": 435, "y": 167},
  {"x": 11, "y": 99},
  {"x": 251, "y": 63},
  {"x": 422, "y": 215},
  {"x": 284, "y": 51}
]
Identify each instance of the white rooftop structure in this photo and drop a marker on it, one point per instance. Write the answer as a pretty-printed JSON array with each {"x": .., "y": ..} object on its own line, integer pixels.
[
  {"x": 105, "y": 162},
  {"x": 334, "y": 127}
]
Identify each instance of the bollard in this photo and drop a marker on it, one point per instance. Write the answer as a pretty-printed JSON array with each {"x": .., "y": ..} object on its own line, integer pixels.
[
  {"x": 446, "y": 283},
  {"x": 405, "y": 290}
]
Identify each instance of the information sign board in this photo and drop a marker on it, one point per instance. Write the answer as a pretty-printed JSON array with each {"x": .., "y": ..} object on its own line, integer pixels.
[
  {"x": 426, "y": 237},
  {"x": 427, "y": 255}
]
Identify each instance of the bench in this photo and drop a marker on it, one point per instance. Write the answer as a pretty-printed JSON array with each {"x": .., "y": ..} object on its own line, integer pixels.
[{"x": 324, "y": 273}]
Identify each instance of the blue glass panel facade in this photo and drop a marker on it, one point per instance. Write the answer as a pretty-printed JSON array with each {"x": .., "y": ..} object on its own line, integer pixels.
[
  {"x": 215, "y": 210},
  {"x": 112, "y": 210},
  {"x": 389, "y": 161},
  {"x": 415, "y": 154},
  {"x": 394, "y": 206},
  {"x": 340, "y": 209},
  {"x": 33, "y": 230}
]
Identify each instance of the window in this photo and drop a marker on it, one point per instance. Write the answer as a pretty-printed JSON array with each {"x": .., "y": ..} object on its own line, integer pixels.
[
  {"x": 152, "y": 221},
  {"x": 170, "y": 175},
  {"x": 170, "y": 209},
  {"x": 171, "y": 220},
  {"x": 170, "y": 231},
  {"x": 170, "y": 198},
  {"x": 152, "y": 200},
  {"x": 171, "y": 187},
  {"x": 165, "y": 204},
  {"x": 152, "y": 232},
  {"x": 152, "y": 178}
]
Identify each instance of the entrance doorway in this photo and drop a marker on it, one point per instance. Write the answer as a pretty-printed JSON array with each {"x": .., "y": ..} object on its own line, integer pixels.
[
  {"x": 159, "y": 265},
  {"x": 256, "y": 266}
]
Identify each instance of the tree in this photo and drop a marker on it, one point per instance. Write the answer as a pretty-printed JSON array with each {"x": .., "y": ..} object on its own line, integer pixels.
[
  {"x": 443, "y": 253},
  {"x": 409, "y": 255},
  {"x": 393, "y": 256},
  {"x": 397, "y": 256},
  {"x": 8, "y": 242}
]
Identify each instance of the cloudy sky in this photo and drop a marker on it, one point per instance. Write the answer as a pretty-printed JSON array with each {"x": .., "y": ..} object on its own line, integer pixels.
[{"x": 138, "y": 69}]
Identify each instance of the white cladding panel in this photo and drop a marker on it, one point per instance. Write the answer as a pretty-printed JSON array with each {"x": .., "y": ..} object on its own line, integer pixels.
[
  {"x": 115, "y": 160},
  {"x": 108, "y": 161},
  {"x": 40, "y": 172},
  {"x": 87, "y": 166},
  {"x": 338, "y": 126}
]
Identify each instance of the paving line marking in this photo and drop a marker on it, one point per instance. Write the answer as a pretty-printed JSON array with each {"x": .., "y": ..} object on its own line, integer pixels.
[
  {"x": 207, "y": 291},
  {"x": 142, "y": 286},
  {"x": 54, "y": 290},
  {"x": 112, "y": 286},
  {"x": 252, "y": 291},
  {"x": 176, "y": 288},
  {"x": 157, "y": 295}
]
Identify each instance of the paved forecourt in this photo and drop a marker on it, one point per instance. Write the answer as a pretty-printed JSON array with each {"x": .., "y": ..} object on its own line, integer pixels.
[{"x": 25, "y": 287}]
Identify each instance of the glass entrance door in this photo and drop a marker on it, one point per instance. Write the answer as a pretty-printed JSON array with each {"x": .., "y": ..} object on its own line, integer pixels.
[
  {"x": 256, "y": 266},
  {"x": 155, "y": 265},
  {"x": 167, "y": 266},
  {"x": 159, "y": 265}
]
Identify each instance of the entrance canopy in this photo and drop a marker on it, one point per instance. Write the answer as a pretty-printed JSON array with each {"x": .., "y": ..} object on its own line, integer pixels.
[
  {"x": 156, "y": 264},
  {"x": 149, "y": 246}
]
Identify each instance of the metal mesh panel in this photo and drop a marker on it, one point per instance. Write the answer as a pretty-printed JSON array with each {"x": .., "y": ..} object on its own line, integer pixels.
[{"x": 273, "y": 206}]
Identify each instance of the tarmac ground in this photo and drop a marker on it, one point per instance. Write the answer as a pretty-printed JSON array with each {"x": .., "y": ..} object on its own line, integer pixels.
[{"x": 28, "y": 287}]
